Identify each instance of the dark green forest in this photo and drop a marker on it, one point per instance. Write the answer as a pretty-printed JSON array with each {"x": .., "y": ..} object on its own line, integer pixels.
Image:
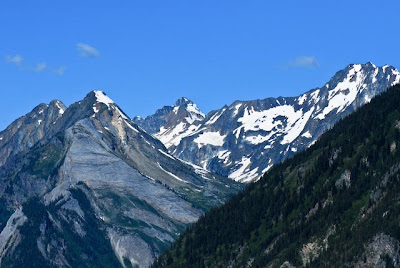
[{"x": 338, "y": 194}]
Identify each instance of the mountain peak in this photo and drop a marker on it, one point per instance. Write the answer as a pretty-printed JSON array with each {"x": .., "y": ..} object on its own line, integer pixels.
[
  {"x": 183, "y": 101},
  {"x": 229, "y": 139},
  {"x": 188, "y": 110},
  {"x": 96, "y": 99},
  {"x": 360, "y": 66},
  {"x": 370, "y": 64},
  {"x": 122, "y": 170},
  {"x": 356, "y": 67},
  {"x": 59, "y": 106},
  {"x": 26, "y": 131},
  {"x": 102, "y": 97},
  {"x": 171, "y": 123},
  {"x": 98, "y": 96}
]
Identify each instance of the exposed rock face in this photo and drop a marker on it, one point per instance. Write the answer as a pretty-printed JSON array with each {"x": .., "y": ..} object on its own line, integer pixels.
[
  {"x": 344, "y": 180},
  {"x": 97, "y": 174},
  {"x": 27, "y": 130},
  {"x": 382, "y": 251},
  {"x": 314, "y": 248},
  {"x": 9, "y": 236},
  {"x": 247, "y": 138}
]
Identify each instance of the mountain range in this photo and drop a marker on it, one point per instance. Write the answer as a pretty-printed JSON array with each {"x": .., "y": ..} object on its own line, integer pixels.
[
  {"x": 335, "y": 204},
  {"x": 84, "y": 186},
  {"x": 244, "y": 140}
]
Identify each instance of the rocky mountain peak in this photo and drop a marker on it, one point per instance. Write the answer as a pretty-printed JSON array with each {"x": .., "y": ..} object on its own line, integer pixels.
[
  {"x": 96, "y": 174},
  {"x": 247, "y": 138},
  {"x": 182, "y": 101},
  {"x": 96, "y": 98},
  {"x": 188, "y": 110},
  {"x": 27, "y": 130},
  {"x": 174, "y": 121},
  {"x": 58, "y": 105}
]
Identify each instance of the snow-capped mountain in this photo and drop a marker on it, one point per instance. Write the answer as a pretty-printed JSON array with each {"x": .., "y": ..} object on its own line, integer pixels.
[
  {"x": 245, "y": 139},
  {"x": 87, "y": 185},
  {"x": 171, "y": 124}
]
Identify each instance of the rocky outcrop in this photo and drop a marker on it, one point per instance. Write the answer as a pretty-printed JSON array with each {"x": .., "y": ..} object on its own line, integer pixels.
[
  {"x": 9, "y": 236},
  {"x": 382, "y": 251}
]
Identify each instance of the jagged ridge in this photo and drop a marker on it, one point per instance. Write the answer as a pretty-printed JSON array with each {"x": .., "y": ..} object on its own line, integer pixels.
[{"x": 247, "y": 138}]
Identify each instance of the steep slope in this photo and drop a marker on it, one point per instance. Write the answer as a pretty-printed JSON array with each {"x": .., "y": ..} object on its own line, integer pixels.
[
  {"x": 96, "y": 190},
  {"x": 24, "y": 132},
  {"x": 247, "y": 138},
  {"x": 172, "y": 123},
  {"x": 336, "y": 204}
]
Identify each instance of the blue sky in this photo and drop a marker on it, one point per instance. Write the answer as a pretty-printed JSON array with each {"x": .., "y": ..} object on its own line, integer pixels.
[{"x": 146, "y": 54}]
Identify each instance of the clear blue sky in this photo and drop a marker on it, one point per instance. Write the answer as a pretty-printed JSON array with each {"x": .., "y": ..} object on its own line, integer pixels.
[{"x": 146, "y": 54}]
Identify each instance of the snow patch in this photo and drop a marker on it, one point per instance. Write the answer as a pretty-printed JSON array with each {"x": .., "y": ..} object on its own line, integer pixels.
[
  {"x": 315, "y": 96},
  {"x": 174, "y": 135},
  {"x": 60, "y": 109},
  {"x": 131, "y": 127},
  {"x": 307, "y": 135},
  {"x": 301, "y": 99},
  {"x": 264, "y": 120},
  {"x": 194, "y": 110},
  {"x": 215, "y": 117},
  {"x": 236, "y": 109},
  {"x": 121, "y": 113},
  {"x": 224, "y": 155},
  {"x": 171, "y": 174},
  {"x": 210, "y": 138},
  {"x": 103, "y": 98},
  {"x": 298, "y": 127},
  {"x": 239, "y": 174},
  {"x": 164, "y": 153}
]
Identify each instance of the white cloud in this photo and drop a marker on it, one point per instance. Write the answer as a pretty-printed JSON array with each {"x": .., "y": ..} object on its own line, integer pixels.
[
  {"x": 304, "y": 61},
  {"x": 17, "y": 59},
  {"x": 41, "y": 66},
  {"x": 60, "y": 70},
  {"x": 87, "y": 51}
]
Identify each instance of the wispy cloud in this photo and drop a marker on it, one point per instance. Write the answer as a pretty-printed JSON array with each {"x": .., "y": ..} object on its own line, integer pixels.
[
  {"x": 41, "y": 66},
  {"x": 60, "y": 70},
  {"x": 86, "y": 50},
  {"x": 304, "y": 61},
  {"x": 17, "y": 59}
]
